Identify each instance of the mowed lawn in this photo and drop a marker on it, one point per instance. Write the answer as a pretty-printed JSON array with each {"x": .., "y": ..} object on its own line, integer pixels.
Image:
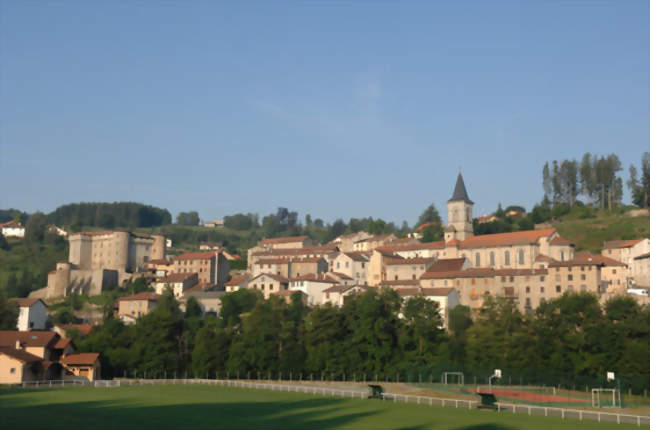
[{"x": 200, "y": 407}]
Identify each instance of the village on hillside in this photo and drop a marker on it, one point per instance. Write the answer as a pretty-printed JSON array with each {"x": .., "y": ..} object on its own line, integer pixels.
[{"x": 527, "y": 267}]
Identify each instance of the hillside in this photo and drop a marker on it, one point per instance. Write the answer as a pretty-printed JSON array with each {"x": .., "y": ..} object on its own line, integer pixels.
[{"x": 589, "y": 234}]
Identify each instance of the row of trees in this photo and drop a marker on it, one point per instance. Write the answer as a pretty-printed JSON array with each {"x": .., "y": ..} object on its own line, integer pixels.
[
  {"x": 109, "y": 215},
  {"x": 595, "y": 178},
  {"x": 570, "y": 340},
  {"x": 640, "y": 187}
]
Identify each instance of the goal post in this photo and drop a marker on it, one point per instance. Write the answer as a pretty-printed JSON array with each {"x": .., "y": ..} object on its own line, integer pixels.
[
  {"x": 605, "y": 398},
  {"x": 459, "y": 377}
]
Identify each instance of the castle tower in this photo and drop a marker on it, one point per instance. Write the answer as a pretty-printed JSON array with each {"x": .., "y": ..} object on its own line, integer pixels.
[{"x": 459, "y": 213}]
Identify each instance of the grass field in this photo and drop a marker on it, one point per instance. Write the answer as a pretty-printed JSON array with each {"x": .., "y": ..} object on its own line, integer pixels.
[{"x": 209, "y": 407}]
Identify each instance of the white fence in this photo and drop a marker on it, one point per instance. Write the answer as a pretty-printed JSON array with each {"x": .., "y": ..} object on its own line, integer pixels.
[{"x": 361, "y": 394}]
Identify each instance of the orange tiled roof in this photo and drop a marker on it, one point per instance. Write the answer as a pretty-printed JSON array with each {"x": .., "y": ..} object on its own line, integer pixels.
[
  {"x": 467, "y": 273},
  {"x": 446, "y": 265},
  {"x": 237, "y": 280},
  {"x": 588, "y": 257},
  {"x": 506, "y": 239},
  {"x": 27, "y": 338},
  {"x": 616, "y": 244},
  {"x": 20, "y": 355},
  {"x": 62, "y": 343},
  {"x": 197, "y": 255},
  {"x": 177, "y": 277},
  {"x": 407, "y": 261},
  {"x": 84, "y": 329},
  {"x": 80, "y": 358}
]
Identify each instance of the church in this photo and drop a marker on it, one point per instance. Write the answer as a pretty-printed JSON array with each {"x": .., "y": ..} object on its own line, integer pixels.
[{"x": 517, "y": 250}]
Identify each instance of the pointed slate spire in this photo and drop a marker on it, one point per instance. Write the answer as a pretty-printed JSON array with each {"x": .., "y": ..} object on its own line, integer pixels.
[{"x": 460, "y": 192}]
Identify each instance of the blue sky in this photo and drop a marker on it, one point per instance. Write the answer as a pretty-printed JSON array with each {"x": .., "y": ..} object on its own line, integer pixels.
[{"x": 333, "y": 108}]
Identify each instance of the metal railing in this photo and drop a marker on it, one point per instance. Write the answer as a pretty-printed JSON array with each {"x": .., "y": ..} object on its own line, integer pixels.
[{"x": 310, "y": 388}]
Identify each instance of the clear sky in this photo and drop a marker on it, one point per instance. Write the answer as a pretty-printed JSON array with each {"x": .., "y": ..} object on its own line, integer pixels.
[{"x": 333, "y": 108}]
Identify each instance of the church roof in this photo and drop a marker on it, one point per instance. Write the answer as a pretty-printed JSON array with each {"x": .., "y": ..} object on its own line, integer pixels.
[{"x": 460, "y": 192}]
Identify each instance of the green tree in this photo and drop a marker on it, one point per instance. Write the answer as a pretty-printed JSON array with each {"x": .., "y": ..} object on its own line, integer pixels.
[
  {"x": 8, "y": 313},
  {"x": 193, "y": 308},
  {"x": 35, "y": 230},
  {"x": 422, "y": 323},
  {"x": 211, "y": 347},
  {"x": 430, "y": 215},
  {"x": 188, "y": 218}
]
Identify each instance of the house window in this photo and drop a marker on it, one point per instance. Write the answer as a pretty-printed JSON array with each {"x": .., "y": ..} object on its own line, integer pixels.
[
  {"x": 614, "y": 271},
  {"x": 570, "y": 288},
  {"x": 491, "y": 258},
  {"x": 363, "y": 265},
  {"x": 527, "y": 290},
  {"x": 507, "y": 258},
  {"x": 512, "y": 279},
  {"x": 558, "y": 289},
  {"x": 338, "y": 265},
  {"x": 13, "y": 370},
  {"x": 347, "y": 264},
  {"x": 503, "y": 279},
  {"x": 478, "y": 260},
  {"x": 583, "y": 277},
  {"x": 583, "y": 288},
  {"x": 541, "y": 289},
  {"x": 396, "y": 277},
  {"x": 262, "y": 287},
  {"x": 473, "y": 281},
  {"x": 562, "y": 256},
  {"x": 414, "y": 277},
  {"x": 558, "y": 277},
  {"x": 521, "y": 256},
  {"x": 271, "y": 287},
  {"x": 527, "y": 302},
  {"x": 570, "y": 277}
]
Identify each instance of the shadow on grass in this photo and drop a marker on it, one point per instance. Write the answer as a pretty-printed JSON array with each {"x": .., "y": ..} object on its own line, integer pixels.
[{"x": 310, "y": 414}]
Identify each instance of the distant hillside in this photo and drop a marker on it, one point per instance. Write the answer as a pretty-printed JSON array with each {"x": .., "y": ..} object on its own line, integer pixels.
[{"x": 589, "y": 234}]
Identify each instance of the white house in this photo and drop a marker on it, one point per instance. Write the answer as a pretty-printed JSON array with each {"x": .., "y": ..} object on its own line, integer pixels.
[
  {"x": 32, "y": 314},
  {"x": 336, "y": 295},
  {"x": 313, "y": 286},
  {"x": 12, "y": 229},
  {"x": 177, "y": 282}
]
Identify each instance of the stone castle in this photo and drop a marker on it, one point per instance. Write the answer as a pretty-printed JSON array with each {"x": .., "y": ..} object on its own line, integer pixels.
[{"x": 101, "y": 260}]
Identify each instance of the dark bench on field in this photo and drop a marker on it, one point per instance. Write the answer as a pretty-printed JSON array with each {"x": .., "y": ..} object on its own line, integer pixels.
[
  {"x": 488, "y": 401},
  {"x": 375, "y": 392}
]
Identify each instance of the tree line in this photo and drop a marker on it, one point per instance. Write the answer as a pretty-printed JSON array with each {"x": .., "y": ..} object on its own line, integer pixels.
[
  {"x": 569, "y": 340},
  {"x": 109, "y": 215},
  {"x": 595, "y": 178}
]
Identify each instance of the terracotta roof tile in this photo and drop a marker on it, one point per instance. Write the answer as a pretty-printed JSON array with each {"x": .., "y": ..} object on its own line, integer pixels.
[
  {"x": 197, "y": 255},
  {"x": 27, "y": 303},
  {"x": 20, "y": 355},
  {"x": 237, "y": 280},
  {"x": 437, "y": 292},
  {"x": 616, "y": 244},
  {"x": 588, "y": 257},
  {"x": 8, "y": 338},
  {"x": 80, "y": 358},
  {"x": 177, "y": 277},
  {"x": 506, "y": 239}
]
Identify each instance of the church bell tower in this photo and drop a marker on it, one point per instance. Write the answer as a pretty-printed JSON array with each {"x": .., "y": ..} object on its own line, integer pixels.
[{"x": 459, "y": 213}]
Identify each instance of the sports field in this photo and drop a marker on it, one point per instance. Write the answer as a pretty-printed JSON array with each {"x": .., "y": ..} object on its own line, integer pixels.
[{"x": 199, "y": 407}]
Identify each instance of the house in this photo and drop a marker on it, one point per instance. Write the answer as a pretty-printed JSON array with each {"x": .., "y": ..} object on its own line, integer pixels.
[
  {"x": 346, "y": 242},
  {"x": 210, "y": 301},
  {"x": 337, "y": 294},
  {"x": 42, "y": 355},
  {"x": 264, "y": 247},
  {"x": 312, "y": 285},
  {"x": 372, "y": 242},
  {"x": 325, "y": 251},
  {"x": 268, "y": 283},
  {"x": 211, "y": 266},
  {"x": 237, "y": 283},
  {"x": 12, "y": 229},
  {"x": 39, "y": 343},
  {"x": 210, "y": 246},
  {"x": 32, "y": 314},
  {"x": 130, "y": 308},
  {"x": 446, "y": 298},
  {"x": 177, "y": 283},
  {"x": 160, "y": 267},
  {"x": 627, "y": 251},
  {"x": 17, "y": 365},
  {"x": 83, "y": 365},
  {"x": 57, "y": 230},
  {"x": 352, "y": 264},
  {"x": 214, "y": 223},
  {"x": 398, "y": 268},
  {"x": 486, "y": 218}
]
